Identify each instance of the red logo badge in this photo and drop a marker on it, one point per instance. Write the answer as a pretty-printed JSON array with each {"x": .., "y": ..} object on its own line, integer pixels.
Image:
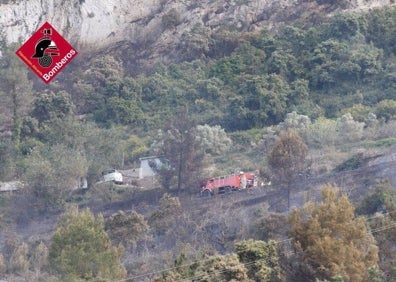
[{"x": 46, "y": 52}]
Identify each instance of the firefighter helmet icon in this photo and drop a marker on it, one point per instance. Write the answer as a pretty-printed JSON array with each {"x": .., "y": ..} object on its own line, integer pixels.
[{"x": 45, "y": 49}]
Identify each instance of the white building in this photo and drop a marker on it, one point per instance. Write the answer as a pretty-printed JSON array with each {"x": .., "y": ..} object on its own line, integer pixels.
[
  {"x": 10, "y": 186},
  {"x": 148, "y": 165}
]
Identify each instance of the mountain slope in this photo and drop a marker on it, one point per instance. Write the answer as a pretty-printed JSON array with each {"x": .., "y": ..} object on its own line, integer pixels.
[{"x": 154, "y": 26}]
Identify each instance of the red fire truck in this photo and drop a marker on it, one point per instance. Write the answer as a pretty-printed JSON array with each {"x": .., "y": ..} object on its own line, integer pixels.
[{"x": 228, "y": 183}]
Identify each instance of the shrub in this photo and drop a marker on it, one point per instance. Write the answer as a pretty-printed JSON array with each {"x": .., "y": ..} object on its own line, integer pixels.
[
  {"x": 348, "y": 129},
  {"x": 295, "y": 121},
  {"x": 213, "y": 139},
  {"x": 359, "y": 112},
  {"x": 386, "y": 109},
  {"x": 171, "y": 18},
  {"x": 260, "y": 259},
  {"x": 19, "y": 262},
  {"x": 321, "y": 133},
  {"x": 354, "y": 162}
]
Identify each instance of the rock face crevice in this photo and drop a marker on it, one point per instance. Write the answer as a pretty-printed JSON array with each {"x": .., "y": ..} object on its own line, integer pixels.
[{"x": 92, "y": 25}]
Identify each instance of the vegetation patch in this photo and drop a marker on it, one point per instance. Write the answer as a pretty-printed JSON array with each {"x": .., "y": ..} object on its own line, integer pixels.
[
  {"x": 355, "y": 162},
  {"x": 387, "y": 142}
]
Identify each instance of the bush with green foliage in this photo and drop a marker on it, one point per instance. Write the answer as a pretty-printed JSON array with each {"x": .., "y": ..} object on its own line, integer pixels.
[
  {"x": 213, "y": 139},
  {"x": 386, "y": 109},
  {"x": 171, "y": 19},
  {"x": 19, "y": 263},
  {"x": 354, "y": 162},
  {"x": 379, "y": 200},
  {"x": 163, "y": 219},
  {"x": 321, "y": 133},
  {"x": 50, "y": 106},
  {"x": 359, "y": 112},
  {"x": 260, "y": 259},
  {"x": 300, "y": 123},
  {"x": 382, "y": 202},
  {"x": 348, "y": 129},
  {"x": 126, "y": 228}
]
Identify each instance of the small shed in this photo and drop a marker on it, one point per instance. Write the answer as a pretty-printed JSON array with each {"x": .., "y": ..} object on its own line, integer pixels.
[{"x": 148, "y": 166}]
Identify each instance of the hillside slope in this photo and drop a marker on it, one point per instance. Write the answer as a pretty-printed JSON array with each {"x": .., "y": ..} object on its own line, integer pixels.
[{"x": 155, "y": 27}]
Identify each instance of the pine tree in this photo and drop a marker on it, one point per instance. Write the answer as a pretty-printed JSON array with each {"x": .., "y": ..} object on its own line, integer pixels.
[
  {"x": 287, "y": 158},
  {"x": 330, "y": 240},
  {"x": 81, "y": 249},
  {"x": 179, "y": 145}
]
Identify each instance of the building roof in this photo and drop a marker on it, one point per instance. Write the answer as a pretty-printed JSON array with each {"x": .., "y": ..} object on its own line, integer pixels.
[{"x": 149, "y": 158}]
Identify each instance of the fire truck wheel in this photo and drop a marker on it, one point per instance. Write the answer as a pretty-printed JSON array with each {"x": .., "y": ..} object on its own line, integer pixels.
[
  {"x": 228, "y": 189},
  {"x": 206, "y": 193}
]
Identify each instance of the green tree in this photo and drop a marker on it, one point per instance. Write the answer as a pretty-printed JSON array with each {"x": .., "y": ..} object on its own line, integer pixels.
[
  {"x": 386, "y": 109},
  {"x": 135, "y": 148},
  {"x": 50, "y": 174},
  {"x": 329, "y": 240},
  {"x": 287, "y": 158},
  {"x": 88, "y": 87},
  {"x": 246, "y": 59},
  {"x": 261, "y": 100},
  {"x": 282, "y": 63},
  {"x": 81, "y": 250},
  {"x": 384, "y": 232},
  {"x": 381, "y": 29},
  {"x": 327, "y": 61},
  {"x": 49, "y": 105},
  {"x": 120, "y": 102},
  {"x": 16, "y": 91},
  {"x": 344, "y": 26},
  {"x": 103, "y": 69},
  {"x": 260, "y": 258}
]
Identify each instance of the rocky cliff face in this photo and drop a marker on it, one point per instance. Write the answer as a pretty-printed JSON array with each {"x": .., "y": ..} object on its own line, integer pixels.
[{"x": 95, "y": 24}]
